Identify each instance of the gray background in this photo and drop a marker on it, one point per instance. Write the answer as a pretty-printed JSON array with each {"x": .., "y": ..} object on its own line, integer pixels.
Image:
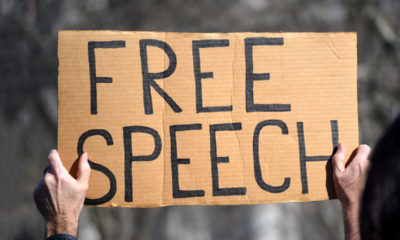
[{"x": 28, "y": 106}]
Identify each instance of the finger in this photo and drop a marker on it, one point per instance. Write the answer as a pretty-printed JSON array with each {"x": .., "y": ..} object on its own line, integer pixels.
[
  {"x": 361, "y": 156},
  {"x": 83, "y": 172},
  {"x": 49, "y": 180},
  {"x": 38, "y": 189},
  {"x": 363, "y": 151},
  {"x": 338, "y": 158},
  {"x": 38, "y": 193},
  {"x": 55, "y": 163}
]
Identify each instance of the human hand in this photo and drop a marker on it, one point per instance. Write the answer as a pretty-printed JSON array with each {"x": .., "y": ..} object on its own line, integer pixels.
[
  {"x": 59, "y": 197},
  {"x": 350, "y": 180},
  {"x": 349, "y": 184}
]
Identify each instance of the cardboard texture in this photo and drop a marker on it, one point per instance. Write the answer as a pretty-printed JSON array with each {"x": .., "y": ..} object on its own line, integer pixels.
[{"x": 206, "y": 118}]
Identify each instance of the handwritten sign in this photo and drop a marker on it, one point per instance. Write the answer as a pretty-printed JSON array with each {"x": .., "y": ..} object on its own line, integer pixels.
[{"x": 206, "y": 118}]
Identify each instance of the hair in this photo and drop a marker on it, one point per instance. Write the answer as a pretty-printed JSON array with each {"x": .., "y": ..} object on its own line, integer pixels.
[{"x": 380, "y": 206}]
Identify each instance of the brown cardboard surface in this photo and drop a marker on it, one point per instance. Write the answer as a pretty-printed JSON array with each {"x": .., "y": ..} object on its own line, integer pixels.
[{"x": 314, "y": 73}]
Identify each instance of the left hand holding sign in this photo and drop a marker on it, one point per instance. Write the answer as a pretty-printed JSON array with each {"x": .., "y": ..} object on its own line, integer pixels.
[{"x": 59, "y": 196}]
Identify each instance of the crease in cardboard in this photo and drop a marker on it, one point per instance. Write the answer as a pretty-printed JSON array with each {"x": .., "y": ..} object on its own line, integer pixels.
[
  {"x": 331, "y": 47},
  {"x": 164, "y": 137},
  {"x": 232, "y": 96}
]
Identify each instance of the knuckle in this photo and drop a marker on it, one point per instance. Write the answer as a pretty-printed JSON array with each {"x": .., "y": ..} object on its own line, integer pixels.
[
  {"x": 62, "y": 178},
  {"x": 364, "y": 148},
  {"x": 48, "y": 179},
  {"x": 337, "y": 157},
  {"x": 85, "y": 187},
  {"x": 51, "y": 154},
  {"x": 86, "y": 168},
  {"x": 337, "y": 176}
]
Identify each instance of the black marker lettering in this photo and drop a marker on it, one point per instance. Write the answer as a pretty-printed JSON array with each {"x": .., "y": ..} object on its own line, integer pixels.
[
  {"x": 217, "y": 191},
  {"x": 95, "y": 166},
  {"x": 198, "y": 75},
  {"x": 129, "y": 157},
  {"x": 302, "y": 152},
  {"x": 251, "y": 77},
  {"x": 92, "y": 70},
  {"x": 256, "y": 156},
  {"x": 148, "y": 78},
  {"x": 178, "y": 193}
]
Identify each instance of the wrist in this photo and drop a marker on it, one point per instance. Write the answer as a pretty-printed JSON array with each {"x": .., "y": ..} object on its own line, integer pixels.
[
  {"x": 351, "y": 214},
  {"x": 351, "y": 208},
  {"x": 62, "y": 225}
]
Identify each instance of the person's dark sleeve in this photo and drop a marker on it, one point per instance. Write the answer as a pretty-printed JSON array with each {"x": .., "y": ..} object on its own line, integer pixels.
[{"x": 61, "y": 237}]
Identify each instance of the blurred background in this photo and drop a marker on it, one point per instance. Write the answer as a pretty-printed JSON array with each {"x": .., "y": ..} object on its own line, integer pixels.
[{"x": 28, "y": 106}]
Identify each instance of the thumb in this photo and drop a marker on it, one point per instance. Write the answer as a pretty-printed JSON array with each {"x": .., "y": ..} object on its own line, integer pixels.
[
  {"x": 338, "y": 158},
  {"x": 83, "y": 172},
  {"x": 361, "y": 157}
]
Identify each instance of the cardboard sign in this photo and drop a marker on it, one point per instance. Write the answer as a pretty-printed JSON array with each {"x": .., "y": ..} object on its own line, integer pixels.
[{"x": 206, "y": 118}]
